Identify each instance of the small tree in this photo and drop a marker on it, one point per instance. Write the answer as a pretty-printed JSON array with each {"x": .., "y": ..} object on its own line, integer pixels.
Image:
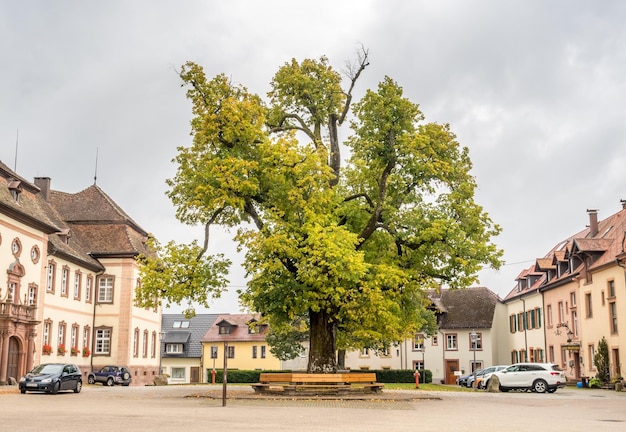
[{"x": 601, "y": 361}]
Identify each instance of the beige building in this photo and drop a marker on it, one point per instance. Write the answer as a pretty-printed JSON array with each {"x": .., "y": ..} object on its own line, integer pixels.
[{"x": 71, "y": 275}]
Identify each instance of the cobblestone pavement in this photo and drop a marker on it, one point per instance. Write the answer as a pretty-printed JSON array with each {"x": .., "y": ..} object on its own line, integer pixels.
[{"x": 198, "y": 408}]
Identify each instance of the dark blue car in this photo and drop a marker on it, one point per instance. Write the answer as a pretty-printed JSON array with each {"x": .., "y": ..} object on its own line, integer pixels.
[
  {"x": 52, "y": 378},
  {"x": 111, "y": 375}
]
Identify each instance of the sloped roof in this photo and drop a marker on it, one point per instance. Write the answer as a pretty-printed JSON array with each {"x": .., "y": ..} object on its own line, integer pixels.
[
  {"x": 603, "y": 246},
  {"x": 198, "y": 326},
  {"x": 239, "y": 329},
  {"x": 467, "y": 308},
  {"x": 98, "y": 224}
]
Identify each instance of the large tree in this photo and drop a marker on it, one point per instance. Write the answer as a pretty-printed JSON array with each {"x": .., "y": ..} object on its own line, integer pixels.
[{"x": 346, "y": 246}]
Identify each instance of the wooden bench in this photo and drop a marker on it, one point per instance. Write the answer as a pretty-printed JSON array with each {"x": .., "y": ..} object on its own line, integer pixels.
[{"x": 290, "y": 383}]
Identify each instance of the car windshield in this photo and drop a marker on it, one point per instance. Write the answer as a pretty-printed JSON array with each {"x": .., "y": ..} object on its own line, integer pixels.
[{"x": 47, "y": 369}]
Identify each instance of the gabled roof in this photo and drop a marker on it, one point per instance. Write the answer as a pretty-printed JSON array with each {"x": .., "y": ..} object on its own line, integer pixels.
[
  {"x": 240, "y": 329},
  {"x": 588, "y": 250},
  {"x": 190, "y": 335},
  {"x": 98, "y": 224},
  {"x": 468, "y": 308}
]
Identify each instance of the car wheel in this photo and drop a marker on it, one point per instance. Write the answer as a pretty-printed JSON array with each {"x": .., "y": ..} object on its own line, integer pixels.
[
  {"x": 22, "y": 390},
  {"x": 504, "y": 389},
  {"x": 91, "y": 379},
  {"x": 125, "y": 376},
  {"x": 56, "y": 387},
  {"x": 79, "y": 386},
  {"x": 540, "y": 386},
  {"x": 110, "y": 382},
  {"x": 551, "y": 390}
]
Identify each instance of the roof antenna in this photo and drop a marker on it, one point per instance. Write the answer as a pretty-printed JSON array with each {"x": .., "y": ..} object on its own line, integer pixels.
[
  {"x": 17, "y": 139},
  {"x": 95, "y": 174}
]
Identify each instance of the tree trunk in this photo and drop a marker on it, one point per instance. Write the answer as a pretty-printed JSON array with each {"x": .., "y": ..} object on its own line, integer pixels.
[
  {"x": 341, "y": 359},
  {"x": 322, "y": 343}
]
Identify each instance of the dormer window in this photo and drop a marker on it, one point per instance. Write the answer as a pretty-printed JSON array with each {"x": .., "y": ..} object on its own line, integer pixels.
[
  {"x": 225, "y": 329},
  {"x": 64, "y": 235},
  {"x": 15, "y": 189}
]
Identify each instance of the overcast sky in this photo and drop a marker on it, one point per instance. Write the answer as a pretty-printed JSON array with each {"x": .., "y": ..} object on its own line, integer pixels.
[{"x": 536, "y": 89}]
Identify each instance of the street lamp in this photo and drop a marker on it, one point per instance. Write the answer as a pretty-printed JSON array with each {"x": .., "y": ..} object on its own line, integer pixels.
[{"x": 474, "y": 337}]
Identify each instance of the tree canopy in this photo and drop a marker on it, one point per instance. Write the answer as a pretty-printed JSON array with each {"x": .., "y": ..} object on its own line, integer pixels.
[{"x": 347, "y": 251}]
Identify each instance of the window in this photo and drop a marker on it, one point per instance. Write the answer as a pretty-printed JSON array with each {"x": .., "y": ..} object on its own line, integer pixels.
[
  {"x": 178, "y": 373},
  {"x": 591, "y": 354},
  {"x": 174, "y": 348},
  {"x": 225, "y": 329},
  {"x": 136, "y": 343},
  {"x": 512, "y": 323},
  {"x": 64, "y": 276},
  {"x": 144, "y": 348},
  {"x": 88, "y": 289},
  {"x": 365, "y": 352},
  {"x": 105, "y": 290},
  {"x": 77, "y": 280},
  {"x": 588, "y": 305},
  {"x": 50, "y": 276},
  {"x": 231, "y": 352},
  {"x": 551, "y": 353},
  {"x": 435, "y": 340},
  {"x": 476, "y": 344},
  {"x": 103, "y": 341},
  {"x": 16, "y": 247},
  {"x": 34, "y": 254},
  {"x": 418, "y": 364},
  {"x": 12, "y": 292},
  {"x": 61, "y": 335},
  {"x": 451, "y": 341},
  {"x": 611, "y": 288},
  {"x": 46, "y": 332},
  {"x": 214, "y": 351},
  {"x": 74, "y": 338},
  {"x": 613, "y": 312},
  {"x": 385, "y": 352},
  {"x": 32, "y": 295},
  {"x": 561, "y": 312},
  {"x": 572, "y": 299},
  {"x": 575, "y": 323},
  {"x": 263, "y": 351},
  {"x": 86, "y": 334},
  {"x": 153, "y": 345},
  {"x": 254, "y": 351},
  {"x": 549, "y": 317},
  {"x": 418, "y": 342}
]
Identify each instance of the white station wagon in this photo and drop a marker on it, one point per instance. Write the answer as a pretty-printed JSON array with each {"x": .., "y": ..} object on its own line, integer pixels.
[{"x": 536, "y": 377}]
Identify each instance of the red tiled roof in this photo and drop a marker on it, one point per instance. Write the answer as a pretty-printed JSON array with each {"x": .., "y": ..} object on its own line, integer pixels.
[{"x": 239, "y": 329}]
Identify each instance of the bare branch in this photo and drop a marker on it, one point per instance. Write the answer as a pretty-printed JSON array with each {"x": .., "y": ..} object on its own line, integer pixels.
[{"x": 354, "y": 71}]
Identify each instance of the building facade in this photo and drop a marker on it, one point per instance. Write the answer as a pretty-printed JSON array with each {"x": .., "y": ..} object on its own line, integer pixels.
[{"x": 71, "y": 274}]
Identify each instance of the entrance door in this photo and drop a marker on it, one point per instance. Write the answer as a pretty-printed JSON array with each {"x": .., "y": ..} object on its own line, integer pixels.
[
  {"x": 451, "y": 367},
  {"x": 616, "y": 362},
  {"x": 13, "y": 358},
  {"x": 195, "y": 375}
]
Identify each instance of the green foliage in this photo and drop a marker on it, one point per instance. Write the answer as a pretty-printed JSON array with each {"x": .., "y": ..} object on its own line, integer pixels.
[
  {"x": 351, "y": 250},
  {"x": 595, "y": 383},
  {"x": 176, "y": 273},
  {"x": 601, "y": 361},
  {"x": 286, "y": 342}
]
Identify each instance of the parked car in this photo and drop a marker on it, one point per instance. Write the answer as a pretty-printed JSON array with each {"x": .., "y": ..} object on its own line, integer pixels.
[
  {"x": 462, "y": 380},
  {"x": 469, "y": 382},
  {"x": 111, "y": 375},
  {"x": 52, "y": 378},
  {"x": 536, "y": 377},
  {"x": 483, "y": 380}
]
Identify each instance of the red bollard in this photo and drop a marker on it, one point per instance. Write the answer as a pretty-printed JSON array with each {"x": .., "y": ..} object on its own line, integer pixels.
[
  {"x": 213, "y": 376},
  {"x": 417, "y": 379}
]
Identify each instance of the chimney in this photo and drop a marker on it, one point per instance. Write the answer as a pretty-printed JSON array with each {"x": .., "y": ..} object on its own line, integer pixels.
[
  {"x": 593, "y": 222},
  {"x": 623, "y": 202},
  {"x": 43, "y": 183}
]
